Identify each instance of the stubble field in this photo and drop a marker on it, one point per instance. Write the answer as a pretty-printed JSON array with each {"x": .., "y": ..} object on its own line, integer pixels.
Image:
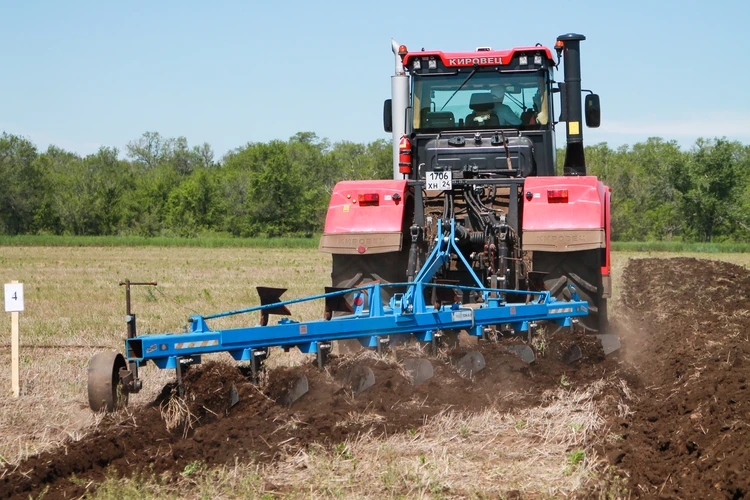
[{"x": 667, "y": 415}]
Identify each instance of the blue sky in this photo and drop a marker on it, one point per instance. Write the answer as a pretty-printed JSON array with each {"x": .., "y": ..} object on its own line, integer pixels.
[{"x": 82, "y": 74}]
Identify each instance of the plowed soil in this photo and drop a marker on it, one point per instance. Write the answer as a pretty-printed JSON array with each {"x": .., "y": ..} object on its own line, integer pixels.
[
  {"x": 684, "y": 324},
  {"x": 688, "y": 342}
]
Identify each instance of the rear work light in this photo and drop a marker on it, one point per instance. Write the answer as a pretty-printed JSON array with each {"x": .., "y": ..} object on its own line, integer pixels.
[
  {"x": 557, "y": 195},
  {"x": 369, "y": 200}
]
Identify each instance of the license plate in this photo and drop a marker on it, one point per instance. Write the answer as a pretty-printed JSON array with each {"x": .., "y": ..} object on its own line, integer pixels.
[{"x": 442, "y": 181}]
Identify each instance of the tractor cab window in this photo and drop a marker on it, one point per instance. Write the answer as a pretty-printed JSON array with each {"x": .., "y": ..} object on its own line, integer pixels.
[{"x": 485, "y": 100}]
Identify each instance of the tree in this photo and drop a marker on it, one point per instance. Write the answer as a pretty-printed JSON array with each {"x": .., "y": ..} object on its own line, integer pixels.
[
  {"x": 190, "y": 207},
  {"x": 144, "y": 205},
  {"x": 713, "y": 186},
  {"x": 283, "y": 187},
  {"x": 150, "y": 150},
  {"x": 87, "y": 198},
  {"x": 21, "y": 184},
  {"x": 275, "y": 200},
  {"x": 660, "y": 167}
]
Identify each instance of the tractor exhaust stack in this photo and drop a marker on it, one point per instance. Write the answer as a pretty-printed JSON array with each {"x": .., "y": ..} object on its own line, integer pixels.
[{"x": 569, "y": 45}]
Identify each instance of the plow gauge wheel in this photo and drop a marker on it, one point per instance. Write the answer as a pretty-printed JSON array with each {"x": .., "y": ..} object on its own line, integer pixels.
[{"x": 104, "y": 384}]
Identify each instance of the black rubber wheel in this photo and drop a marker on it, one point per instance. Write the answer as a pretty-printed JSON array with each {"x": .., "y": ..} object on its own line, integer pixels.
[
  {"x": 353, "y": 270},
  {"x": 350, "y": 271},
  {"x": 104, "y": 383},
  {"x": 581, "y": 269}
]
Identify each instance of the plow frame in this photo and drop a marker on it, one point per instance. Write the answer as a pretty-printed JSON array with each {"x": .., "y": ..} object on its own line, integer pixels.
[
  {"x": 406, "y": 313},
  {"x": 401, "y": 317}
]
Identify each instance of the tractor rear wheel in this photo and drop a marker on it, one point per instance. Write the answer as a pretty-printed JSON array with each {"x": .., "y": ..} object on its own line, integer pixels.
[
  {"x": 581, "y": 269},
  {"x": 350, "y": 271}
]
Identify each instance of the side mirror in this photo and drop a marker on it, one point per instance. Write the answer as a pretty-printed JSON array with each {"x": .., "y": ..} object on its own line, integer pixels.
[
  {"x": 593, "y": 111},
  {"x": 388, "y": 116}
]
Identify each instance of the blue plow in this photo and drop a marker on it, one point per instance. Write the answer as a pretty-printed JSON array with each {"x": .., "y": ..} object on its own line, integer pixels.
[{"x": 370, "y": 320}]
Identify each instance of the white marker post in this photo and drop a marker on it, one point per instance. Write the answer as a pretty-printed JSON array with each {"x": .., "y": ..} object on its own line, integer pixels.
[{"x": 14, "y": 305}]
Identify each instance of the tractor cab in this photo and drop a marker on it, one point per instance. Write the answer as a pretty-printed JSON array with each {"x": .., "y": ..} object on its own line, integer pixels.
[
  {"x": 487, "y": 111},
  {"x": 484, "y": 95},
  {"x": 490, "y": 111}
]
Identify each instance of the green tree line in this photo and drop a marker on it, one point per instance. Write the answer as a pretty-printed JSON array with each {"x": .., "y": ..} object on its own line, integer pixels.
[
  {"x": 661, "y": 193},
  {"x": 164, "y": 187}
]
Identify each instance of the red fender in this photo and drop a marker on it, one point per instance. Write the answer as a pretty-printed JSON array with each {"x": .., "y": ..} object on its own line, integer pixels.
[
  {"x": 553, "y": 222},
  {"x": 365, "y": 217}
]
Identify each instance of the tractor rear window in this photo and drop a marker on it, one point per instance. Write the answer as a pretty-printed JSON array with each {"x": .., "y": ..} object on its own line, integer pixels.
[{"x": 486, "y": 100}]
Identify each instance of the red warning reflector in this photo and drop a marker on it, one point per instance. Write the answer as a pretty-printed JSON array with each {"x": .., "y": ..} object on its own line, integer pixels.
[
  {"x": 557, "y": 195},
  {"x": 361, "y": 249},
  {"x": 369, "y": 199},
  {"x": 358, "y": 300}
]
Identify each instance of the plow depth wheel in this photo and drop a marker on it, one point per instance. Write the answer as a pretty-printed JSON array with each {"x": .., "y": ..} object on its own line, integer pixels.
[
  {"x": 581, "y": 269},
  {"x": 104, "y": 384}
]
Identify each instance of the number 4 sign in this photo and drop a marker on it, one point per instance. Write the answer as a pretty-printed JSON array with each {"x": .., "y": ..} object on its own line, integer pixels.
[{"x": 14, "y": 297}]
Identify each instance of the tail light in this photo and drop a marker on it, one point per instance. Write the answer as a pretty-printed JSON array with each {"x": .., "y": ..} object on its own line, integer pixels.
[
  {"x": 404, "y": 156},
  {"x": 557, "y": 196},
  {"x": 369, "y": 199}
]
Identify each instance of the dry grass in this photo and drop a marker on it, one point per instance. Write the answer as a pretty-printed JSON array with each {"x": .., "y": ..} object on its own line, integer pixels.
[
  {"x": 176, "y": 413},
  {"x": 73, "y": 301}
]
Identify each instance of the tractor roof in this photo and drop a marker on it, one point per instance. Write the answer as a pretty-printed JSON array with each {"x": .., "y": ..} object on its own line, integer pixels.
[{"x": 481, "y": 57}]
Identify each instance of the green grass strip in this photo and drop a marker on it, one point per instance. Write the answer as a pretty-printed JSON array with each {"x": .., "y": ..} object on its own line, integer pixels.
[
  {"x": 312, "y": 242},
  {"x": 677, "y": 247},
  {"x": 157, "y": 241}
]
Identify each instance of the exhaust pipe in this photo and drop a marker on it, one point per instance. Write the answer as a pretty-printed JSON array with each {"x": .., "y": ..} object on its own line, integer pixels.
[
  {"x": 399, "y": 103},
  {"x": 575, "y": 162}
]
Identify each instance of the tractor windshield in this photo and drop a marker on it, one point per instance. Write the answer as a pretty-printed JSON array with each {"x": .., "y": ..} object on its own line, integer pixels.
[{"x": 483, "y": 100}]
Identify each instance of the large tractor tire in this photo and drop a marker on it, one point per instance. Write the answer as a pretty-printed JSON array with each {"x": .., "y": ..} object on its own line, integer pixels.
[
  {"x": 581, "y": 269},
  {"x": 353, "y": 270},
  {"x": 350, "y": 271}
]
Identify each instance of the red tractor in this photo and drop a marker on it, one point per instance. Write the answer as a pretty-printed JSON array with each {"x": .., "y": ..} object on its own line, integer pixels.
[{"x": 474, "y": 146}]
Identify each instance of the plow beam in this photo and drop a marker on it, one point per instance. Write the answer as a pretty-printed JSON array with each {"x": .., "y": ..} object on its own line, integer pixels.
[{"x": 401, "y": 317}]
